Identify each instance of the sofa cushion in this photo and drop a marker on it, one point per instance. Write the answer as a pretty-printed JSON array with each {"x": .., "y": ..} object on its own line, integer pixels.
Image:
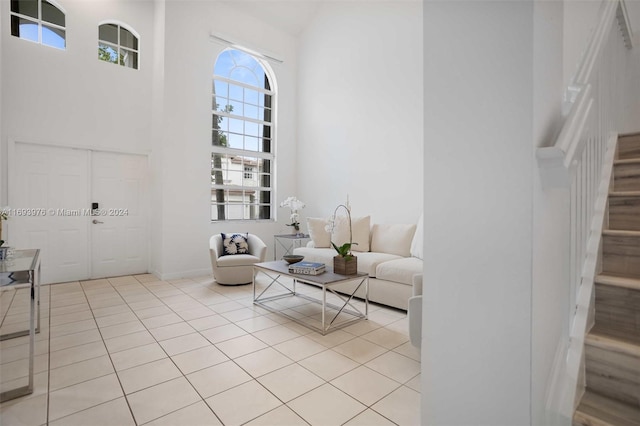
[
  {"x": 235, "y": 244},
  {"x": 367, "y": 262},
  {"x": 392, "y": 238},
  {"x": 399, "y": 270},
  {"x": 417, "y": 245},
  {"x": 237, "y": 260},
  {"x": 318, "y": 233},
  {"x": 360, "y": 232}
]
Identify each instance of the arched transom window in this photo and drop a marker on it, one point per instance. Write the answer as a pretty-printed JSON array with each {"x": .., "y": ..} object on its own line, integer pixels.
[
  {"x": 118, "y": 45},
  {"x": 39, "y": 21},
  {"x": 242, "y": 154}
]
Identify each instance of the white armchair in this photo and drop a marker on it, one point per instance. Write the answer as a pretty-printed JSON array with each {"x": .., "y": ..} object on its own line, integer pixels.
[
  {"x": 238, "y": 268},
  {"x": 415, "y": 312}
]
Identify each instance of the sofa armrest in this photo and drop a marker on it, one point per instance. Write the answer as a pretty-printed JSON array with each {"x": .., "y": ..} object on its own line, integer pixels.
[
  {"x": 415, "y": 312},
  {"x": 417, "y": 285},
  {"x": 415, "y": 321},
  {"x": 215, "y": 247}
]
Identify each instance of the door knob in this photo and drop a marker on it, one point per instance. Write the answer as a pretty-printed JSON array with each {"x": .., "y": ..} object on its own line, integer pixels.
[{"x": 96, "y": 221}]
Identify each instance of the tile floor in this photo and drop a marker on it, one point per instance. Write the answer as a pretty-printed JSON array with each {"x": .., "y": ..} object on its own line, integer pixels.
[{"x": 136, "y": 350}]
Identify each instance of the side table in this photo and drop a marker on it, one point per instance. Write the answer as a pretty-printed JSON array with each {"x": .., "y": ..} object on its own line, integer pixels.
[
  {"x": 287, "y": 242},
  {"x": 23, "y": 268}
]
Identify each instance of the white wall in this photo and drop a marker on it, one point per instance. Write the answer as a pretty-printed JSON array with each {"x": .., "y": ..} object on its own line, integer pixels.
[
  {"x": 185, "y": 135},
  {"x": 632, "y": 119},
  {"x": 70, "y": 97},
  {"x": 156, "y": 237},
  {"x": 360, "y": 110},
  {"x": 580, "y": 20},
  {"x": 478, "y": 165}
]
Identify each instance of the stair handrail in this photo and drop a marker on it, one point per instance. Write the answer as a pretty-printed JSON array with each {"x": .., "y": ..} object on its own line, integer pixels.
[
  {"x": 579, "y": 162},
  {"x": 556, "y": 161}
]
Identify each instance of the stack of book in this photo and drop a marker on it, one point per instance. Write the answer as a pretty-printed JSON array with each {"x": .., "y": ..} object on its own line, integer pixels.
[{"x": 307, "y": 268}]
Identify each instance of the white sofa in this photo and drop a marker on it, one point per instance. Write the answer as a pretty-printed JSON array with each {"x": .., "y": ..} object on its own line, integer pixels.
[{"x": 390, "y": 253}]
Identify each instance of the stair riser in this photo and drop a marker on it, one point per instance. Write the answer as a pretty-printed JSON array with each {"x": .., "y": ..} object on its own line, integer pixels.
[
  {"x": 618, "y": 320},
  {"x": 613, "y": 374},
  {"x": 581, "y": 419},
  {"x": 629, "y": 147},
  {"x": 626, "y": 177},
  {"x": 598, "y": 410},
  {"x": 624, "y": 213},
  {"x": 618, "y": 309},
  {"x": 621, "y": 255}
]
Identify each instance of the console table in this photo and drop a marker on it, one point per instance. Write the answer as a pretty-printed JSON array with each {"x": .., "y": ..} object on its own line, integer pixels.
[
  {"x": 23, "y": 269},
  {"x": 287, "y": 242}
]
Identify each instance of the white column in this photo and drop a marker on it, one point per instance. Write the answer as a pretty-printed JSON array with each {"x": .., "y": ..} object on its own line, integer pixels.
[{"x": 478, "y": 168}]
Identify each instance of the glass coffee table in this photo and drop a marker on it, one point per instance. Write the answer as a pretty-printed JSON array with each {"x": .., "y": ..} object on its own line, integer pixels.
[{"x": 281, "y": 295}]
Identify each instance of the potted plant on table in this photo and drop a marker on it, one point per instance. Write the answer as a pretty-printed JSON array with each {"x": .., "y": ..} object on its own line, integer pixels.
[
  {"x": 294, "y": 204},
  {"x": 345, "y": 263}
]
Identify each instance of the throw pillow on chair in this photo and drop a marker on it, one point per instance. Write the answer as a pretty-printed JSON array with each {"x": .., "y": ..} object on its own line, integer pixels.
[{"x": 235, "y": 244}]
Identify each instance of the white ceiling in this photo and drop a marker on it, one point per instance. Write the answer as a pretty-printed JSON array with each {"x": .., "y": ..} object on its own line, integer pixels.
[{"x": 292, "y": 16}]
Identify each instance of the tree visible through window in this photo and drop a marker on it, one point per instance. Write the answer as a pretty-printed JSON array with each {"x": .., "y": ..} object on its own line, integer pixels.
[
  {"x": 241, "y": 139},
  {"x": 117, "y": 45},
  {"x": 39, "y": 21}
]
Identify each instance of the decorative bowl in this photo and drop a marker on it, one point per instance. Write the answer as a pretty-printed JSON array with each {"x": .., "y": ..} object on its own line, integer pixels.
[{"x": 292, "y": 258}]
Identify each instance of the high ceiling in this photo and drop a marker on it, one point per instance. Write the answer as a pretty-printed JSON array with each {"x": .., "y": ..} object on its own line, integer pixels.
[{"x": 292, "y": 16}]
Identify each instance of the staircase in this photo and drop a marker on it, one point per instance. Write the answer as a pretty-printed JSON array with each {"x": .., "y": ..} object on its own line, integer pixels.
[{"x": 612, "y": 347}]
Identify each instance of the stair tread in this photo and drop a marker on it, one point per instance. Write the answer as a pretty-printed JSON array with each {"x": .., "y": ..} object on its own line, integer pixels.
[
  {"x": 624, "y": 193},
  {"x": 620, "y": 233},
  {"x": 627, "y": 161},
  {"x": 606, "y": 339},
  {"x": 626, "y": 282},
  {"x": 628, "y": 135},
  {"x": 596, "y": 409}
]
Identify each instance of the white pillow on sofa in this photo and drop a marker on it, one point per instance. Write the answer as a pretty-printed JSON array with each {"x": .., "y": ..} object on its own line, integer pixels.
[
  {"x": 360, "y": 229},
  {"x": 392, "y": 238},
  {"x": 319, "y": 235}
]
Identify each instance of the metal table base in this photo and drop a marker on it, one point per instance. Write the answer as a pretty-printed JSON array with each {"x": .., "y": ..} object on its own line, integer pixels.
[
  {"x": 25, "y": 264},
  {"x": 274, "y": 271}
]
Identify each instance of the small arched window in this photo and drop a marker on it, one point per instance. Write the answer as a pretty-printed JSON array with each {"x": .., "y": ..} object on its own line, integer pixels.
[
  {"x": 118, "y": 45},
  {"x": 39, "y": 21}
]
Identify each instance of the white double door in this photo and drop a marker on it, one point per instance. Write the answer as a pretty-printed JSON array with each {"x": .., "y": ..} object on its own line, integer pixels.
[{"x": 52, "y": 196}]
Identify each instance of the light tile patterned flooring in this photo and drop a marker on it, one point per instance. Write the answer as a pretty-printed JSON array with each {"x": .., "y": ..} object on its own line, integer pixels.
[{"x": 136, "y": 350}]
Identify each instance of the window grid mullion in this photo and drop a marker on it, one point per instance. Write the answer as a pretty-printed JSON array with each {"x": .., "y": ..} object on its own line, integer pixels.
[
  {"x": 40, "y": 21},
  {"x": 241, "y": 153},
  {"x": 240, "y": 117},
  {"x": 244, "y": 85}
]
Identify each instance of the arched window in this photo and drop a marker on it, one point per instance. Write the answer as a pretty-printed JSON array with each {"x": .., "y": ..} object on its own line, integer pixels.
[
  {"x": 118, "y": 45},
  {"x": 242, "y": 159},
  {"x": 40, "y": 21}
]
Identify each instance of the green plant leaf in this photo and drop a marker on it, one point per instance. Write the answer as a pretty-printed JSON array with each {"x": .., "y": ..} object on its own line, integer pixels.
[{"x": 344, "y": 250}]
